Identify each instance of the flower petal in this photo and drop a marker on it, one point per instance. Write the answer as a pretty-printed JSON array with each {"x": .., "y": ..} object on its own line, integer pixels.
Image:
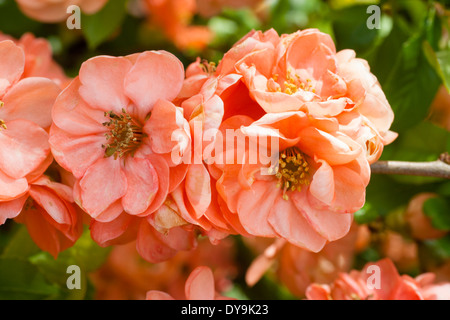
[
  {"x": 102, "y": 83},
  {"x": 24, "y": 146},
  {"x": 200, "y": 284},
  {"x": 155, "y": 75},
  {"x": 103, "y": 183},
  {"x": 31, "y": 99},
  {"x": 290, "y": 224}
]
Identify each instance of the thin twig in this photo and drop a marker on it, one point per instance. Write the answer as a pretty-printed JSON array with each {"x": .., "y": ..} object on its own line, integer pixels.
[{"x": 439, "y": 168}]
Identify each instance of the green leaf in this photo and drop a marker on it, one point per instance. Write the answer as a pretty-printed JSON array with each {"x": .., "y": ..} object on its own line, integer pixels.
[
  {"x": 411, "y": 86},
  {"x": 86, "y": 254},
  {"x": 20, "y": 245},
  {"x": 21, "y": 280},
  {"x": 438, "y": 210},
  {"x": 351, "y": 31},
  {"x": 366, "y": 214},
  {"x": 443, "y": 58},
  {"x": 98, "y": 27}
]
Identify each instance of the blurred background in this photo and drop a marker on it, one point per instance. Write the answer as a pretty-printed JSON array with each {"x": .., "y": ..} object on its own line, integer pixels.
[{"x": 405, "y": 218}]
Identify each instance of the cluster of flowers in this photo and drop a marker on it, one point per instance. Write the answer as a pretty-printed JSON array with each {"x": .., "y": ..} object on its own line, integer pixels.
[{"x": 133, "y": 145}]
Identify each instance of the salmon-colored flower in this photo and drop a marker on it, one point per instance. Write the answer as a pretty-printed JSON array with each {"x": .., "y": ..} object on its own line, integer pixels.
[
  {"x": 308, "y": 194},
  {"x": 133, "y": 276},
  {"x": 51, "y": 216},
  {"x": 25, "y": 114},
  {"x": 419, "y": 224},
  {"x": 174, "y": 18},
  {"x": 364, "y": 285},
  {"x": 153, "y": 242},
  {"x": 115, "y": 129},
  {"x": 51, "y": 11},
  {"x": 199, "y": 286},
  {"x": 297, "y": 268},
  {"x": 38, "y": 59},
  {"x": 303, "y": 72}
]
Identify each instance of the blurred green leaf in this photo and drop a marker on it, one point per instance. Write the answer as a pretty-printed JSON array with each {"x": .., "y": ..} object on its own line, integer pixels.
[
  {"x": 366, "y": 214},
  {"x": 412, "y": 86},
  {"x": 351, "y": 31},
  {"x": 20, "y": 245},
  {"x": 14, "y": 22},
  {"x": 98, "y": 27},
  {"x": 21, "y": 280},
  {"x": 86, "y": 254},
  {"x": 443, "y": 58},
  {"x": 438, "y": 210}
]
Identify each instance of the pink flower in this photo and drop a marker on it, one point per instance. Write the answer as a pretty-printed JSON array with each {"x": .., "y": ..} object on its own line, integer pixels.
[
  {"x": 297, "y": 268},
  {"x": 133, "y": 277},
  {"x": 115, "y": 129},
  {"x": 38, "y": 59},
  {"x": 309, "y": 193},
  {"x": 303, "y": 72},
  {"x": 359, "y": 285},
  {"x": 25, "y": 114},
  {"x": 158, "y": 237},
  {"x": 48, "y": 211},
  {"x": 51, "y": 11},
  {"x": 199, "y": 286}
]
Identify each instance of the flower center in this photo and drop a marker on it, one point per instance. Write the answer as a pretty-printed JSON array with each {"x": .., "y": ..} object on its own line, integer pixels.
[
  {"x": 292, "y": 84},
  {"x": 125, "y": 135},
  {"x": 292, "y": 170},
  {"x": 2, "y": 124},
  {"x": 208, "y": 67}
]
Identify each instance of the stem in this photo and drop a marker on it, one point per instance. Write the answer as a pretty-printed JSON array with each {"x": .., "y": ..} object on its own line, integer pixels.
[{"x": 436, "y": 168}]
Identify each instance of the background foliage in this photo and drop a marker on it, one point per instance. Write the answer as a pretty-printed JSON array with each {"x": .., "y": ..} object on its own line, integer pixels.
[{"x": 410, "y": 55}]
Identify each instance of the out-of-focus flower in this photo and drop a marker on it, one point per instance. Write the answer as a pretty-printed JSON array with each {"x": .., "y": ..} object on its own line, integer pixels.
[
  {"x": 25, "y": 115},
  {"x": 440, "y": 108},
  {"x": 51, "y": 216},
  {"x": 380, "y": 281},
  {"x": 199, "y": 286},
  {"x": 403, "y": 252},
  {"x": 298, "y": 268},
  {"x": 209, "y": 8},
  {"x": 51, "y": 11},
  {"x": 419, "y": 224},
  {"x": 38, "y": 59},
  {"x": 174, "y": 18},
  {"x": 133, "y": 276}
]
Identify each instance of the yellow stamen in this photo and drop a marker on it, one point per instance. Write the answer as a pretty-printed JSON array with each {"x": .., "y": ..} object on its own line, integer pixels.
[
  {"x": 125, "y": 135},
  {"x": 292, "y": 171}
]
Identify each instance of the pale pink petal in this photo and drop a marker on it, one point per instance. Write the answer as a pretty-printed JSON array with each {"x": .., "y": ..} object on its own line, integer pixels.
[
  {"x": 142, "y": 182},
  {"x": 200, "y": 284},
  {"x": 158, "y": 295},
  {"x": 11, "y": 209},
  {"x": 23, "y": 147},
  {"x": 329, "y": 224},
  {"x": 166, "y": 128},
  {"x": 11, "y": 65},
  {"x": 73, "y": 114},
  {"x": 103, "y": 183},
  {"x": 150, "y": 247},
  {"x": 198, "y": 188},
  {"x": 155, "y": 75},
  {"x": 76, "y": 153},
  {"x": 102, "y": 83},
  {"x": 290, "y": 224},
  {"x": 254, "y": 206},
  {"x": 30, "y": 99}
]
